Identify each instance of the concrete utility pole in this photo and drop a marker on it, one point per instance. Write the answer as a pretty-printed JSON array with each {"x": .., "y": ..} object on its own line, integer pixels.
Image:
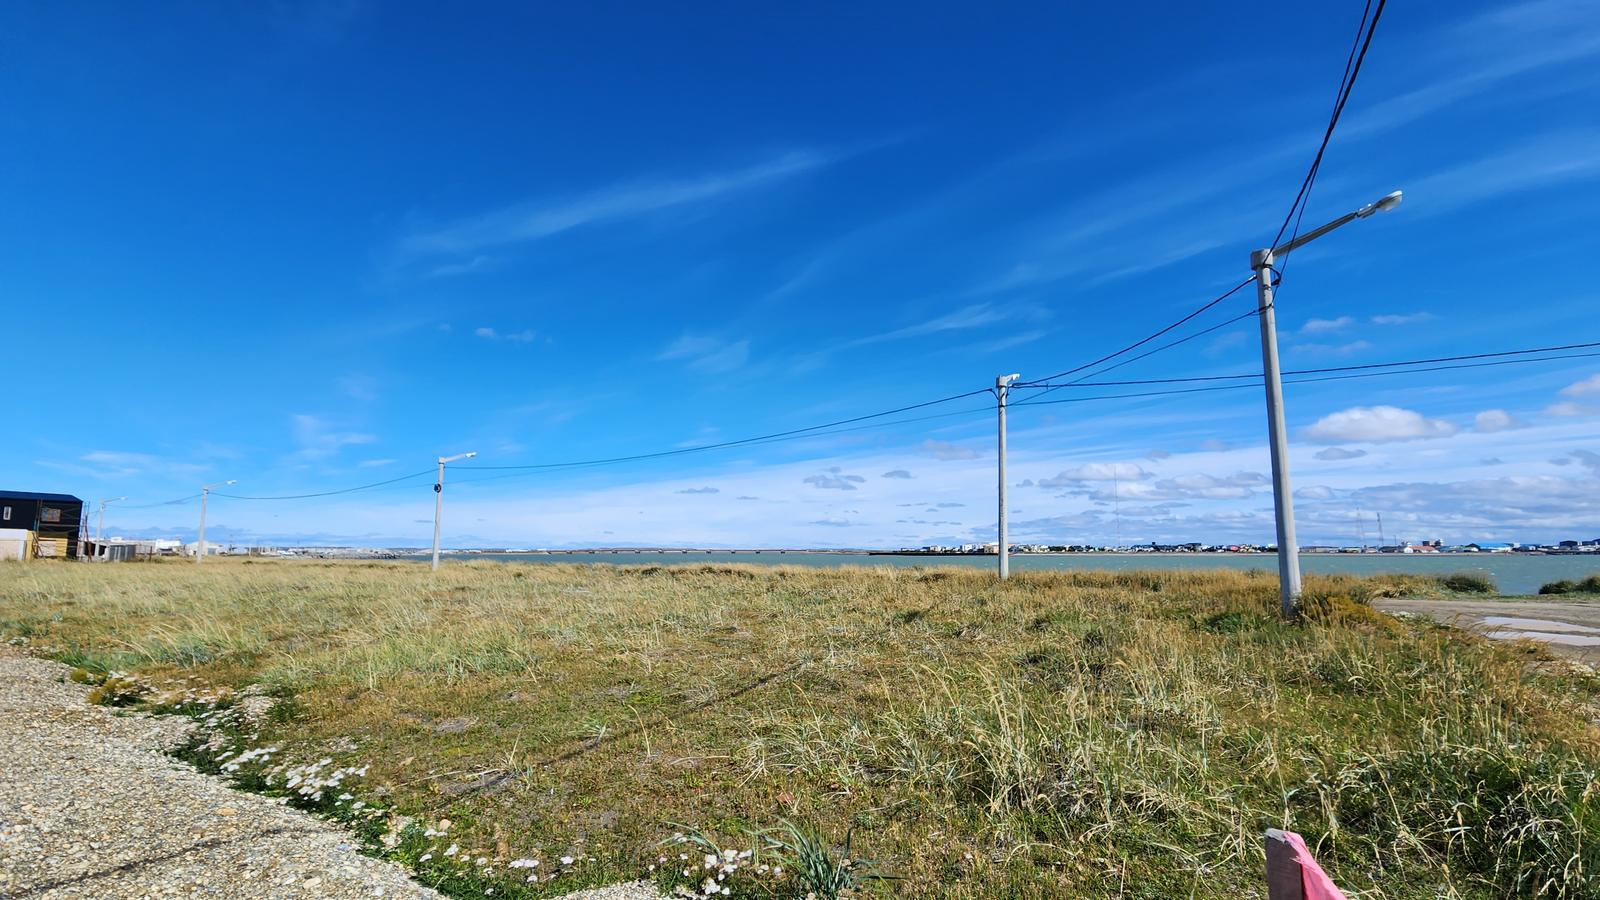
[
  {"x": 1277, "y": 431},
  {"x": 1002, "y": 387},
  {"x": 438, "y": 500},
  {"x": 100, "y": 524},
  {"x": 200, "y": 541}
]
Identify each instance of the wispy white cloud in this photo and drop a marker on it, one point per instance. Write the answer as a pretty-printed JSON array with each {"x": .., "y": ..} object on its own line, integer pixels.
[
  {"x": 1344, "y": 349},
  {"x": 122, "y": 464},
  {"x": 707, "y": 354},
  {"x": 977, "y": 315},
  {"x": 944, "y": 450},
  {"x": 1588, "y": 387},
  {"x": 1468, "y": 59},
  {"x": 525, "y": 336},
  {"x": 1327, "y": 326},
  {"x": 1545, "y": 161},
  {"x": 476, "y": 264},
  {"x": 536, "y": 221},
  {"x": 319, "y": 439},
  {"x": 359, "y": 387},
  {"x": 1402, "y": 318}
]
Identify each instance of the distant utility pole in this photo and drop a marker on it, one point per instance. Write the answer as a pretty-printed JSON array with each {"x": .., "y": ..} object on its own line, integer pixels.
[
  {"x": 1277, "y": 431},
  {"x": 100, "y": 523},
  {"x": 200, "y": 542},
  {"x": 438, "y": 500},
  {"x": 1002, "y": 387}
]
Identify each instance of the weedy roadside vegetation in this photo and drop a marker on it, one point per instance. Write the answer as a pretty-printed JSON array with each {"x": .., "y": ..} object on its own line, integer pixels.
[
  {"x": 1590, "y": 585},
  {"x": 1084, "y": 734}
]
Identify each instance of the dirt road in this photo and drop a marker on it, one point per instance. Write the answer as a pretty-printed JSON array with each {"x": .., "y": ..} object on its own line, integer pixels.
[{"x": 1570, "y": 628}]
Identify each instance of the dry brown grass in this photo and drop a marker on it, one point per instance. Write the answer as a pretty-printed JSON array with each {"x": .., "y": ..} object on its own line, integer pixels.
[{"x": 1071, "y": 733}]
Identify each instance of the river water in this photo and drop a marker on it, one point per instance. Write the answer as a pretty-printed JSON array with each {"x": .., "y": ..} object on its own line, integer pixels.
[{"x": 1515, "y": 573}]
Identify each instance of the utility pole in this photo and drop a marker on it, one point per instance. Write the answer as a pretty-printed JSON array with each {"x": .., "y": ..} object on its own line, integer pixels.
[
  {"x": 1278, "y": 440},
  {"x": 1277, "y": 430},
  {"x": 200, "y": 541},
  {"x": 100, "y": 524},
  {"x": 438, "y": 500},
  {"x": 1002, "y": 387}
]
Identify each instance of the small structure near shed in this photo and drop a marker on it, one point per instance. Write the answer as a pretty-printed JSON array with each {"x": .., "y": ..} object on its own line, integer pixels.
[
  {"x": 52, "y": 522},
  {"x": 111, "y": 551}
]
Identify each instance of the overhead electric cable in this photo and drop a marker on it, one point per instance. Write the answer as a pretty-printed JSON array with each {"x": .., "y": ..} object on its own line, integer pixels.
[
  {"x": 734, "y": 443},
  {"x": 176, "y": 502},
  {"x": 985, "y": 410},
  {"x": 1382, "y": 365},
  {"x": 1144, "y": 340},
  {"x": 1230, "y": 387},
  {"x": 349, "y": 490},
  {"x": 1052, "y": 388},
  {"x": 1346, "y": 85}
]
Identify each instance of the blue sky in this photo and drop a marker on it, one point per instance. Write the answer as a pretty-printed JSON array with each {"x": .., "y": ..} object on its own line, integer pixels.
[{"x": 315, "y": 245}]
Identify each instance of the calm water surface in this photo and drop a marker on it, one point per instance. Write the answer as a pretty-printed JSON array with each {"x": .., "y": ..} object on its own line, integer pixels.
[{"x": 1514, "y": 573}]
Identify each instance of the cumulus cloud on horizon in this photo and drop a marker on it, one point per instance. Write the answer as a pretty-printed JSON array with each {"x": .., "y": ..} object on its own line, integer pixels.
[{"x": 1376, "y": 425}]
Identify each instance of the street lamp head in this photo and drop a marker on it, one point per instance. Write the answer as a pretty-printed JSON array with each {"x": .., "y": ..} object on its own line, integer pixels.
[
  {"x": 1003, "y": 380},
  {"x": 451, "y": 459},
  {"x": 1389, "y": 201}
]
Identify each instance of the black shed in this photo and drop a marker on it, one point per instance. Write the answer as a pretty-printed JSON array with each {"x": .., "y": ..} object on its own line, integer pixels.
[{"x": 51, "y": 517}]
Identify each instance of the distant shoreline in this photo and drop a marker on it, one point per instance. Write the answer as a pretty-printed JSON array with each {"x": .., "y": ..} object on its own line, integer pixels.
[{"x": 772, "y": 551}]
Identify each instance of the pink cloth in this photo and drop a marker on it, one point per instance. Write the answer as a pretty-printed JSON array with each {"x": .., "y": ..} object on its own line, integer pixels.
[{"x": 1316, "y": 883}]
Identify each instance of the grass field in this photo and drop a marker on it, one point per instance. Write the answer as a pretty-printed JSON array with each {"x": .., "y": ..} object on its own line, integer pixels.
[{"x": 1065, "y": 734}]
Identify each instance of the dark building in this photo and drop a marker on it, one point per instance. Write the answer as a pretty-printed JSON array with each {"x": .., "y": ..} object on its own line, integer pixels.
[{"x": 53, "y": 518}]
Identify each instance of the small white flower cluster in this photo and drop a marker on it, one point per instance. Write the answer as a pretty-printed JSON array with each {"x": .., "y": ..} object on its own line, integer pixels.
[
  {"x": 465, "y": 860},
  {"x": 263, "y": 754},
  {"x": 716, "y": 867},
  {"x": 310, "y": 781}
]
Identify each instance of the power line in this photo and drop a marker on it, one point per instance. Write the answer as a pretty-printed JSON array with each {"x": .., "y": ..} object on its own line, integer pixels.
[
  {"x": 984, "y": 410},
  {"x": 734, "y": 443},
  {"x": 1382, "y": 365},
  {"x": 1233, "y": 387},
  {"x": 1052, "y": 388},
  {"x": 176, "y": 502},
  {"x": 1144, "y": 340},
  {"x": 349, "y": 490},
  {"x": 1346, "y": 85}
]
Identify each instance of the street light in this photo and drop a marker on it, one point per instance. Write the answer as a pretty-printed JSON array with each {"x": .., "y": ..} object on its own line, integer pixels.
[
  {"x": 438, "y": 500},
  {"x": 101, "y": 522},
  {"x": 200, "y": 544},
  {"x": 1002, "y": 387},
  {"x": 1277, "y": 432}
]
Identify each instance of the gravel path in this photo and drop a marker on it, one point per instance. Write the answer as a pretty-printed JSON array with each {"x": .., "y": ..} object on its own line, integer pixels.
[{"x": 90, "y": 807}]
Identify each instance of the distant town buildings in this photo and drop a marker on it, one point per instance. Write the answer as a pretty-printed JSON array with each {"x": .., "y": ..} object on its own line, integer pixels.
[{"x": 1405, "y": 547}]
